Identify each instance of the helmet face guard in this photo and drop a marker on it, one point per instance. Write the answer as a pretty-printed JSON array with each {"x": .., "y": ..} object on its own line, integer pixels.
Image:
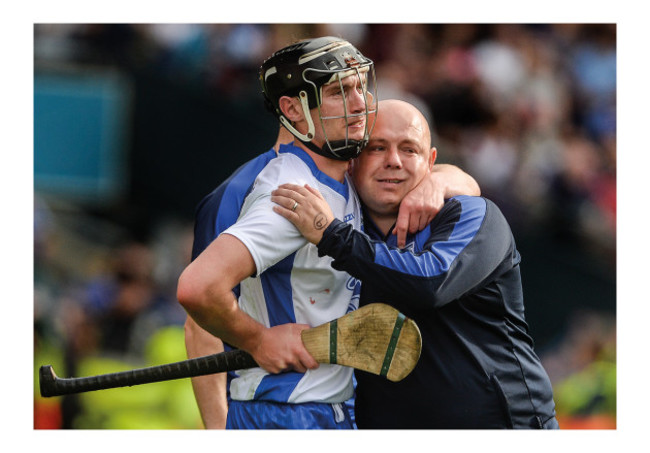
[
  {"x": 301, "y": 70},
  {"x": 347, "y": 148}
]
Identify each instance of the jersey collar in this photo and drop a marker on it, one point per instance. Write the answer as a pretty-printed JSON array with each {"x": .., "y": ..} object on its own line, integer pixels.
[{"x": 342, "y": 188}]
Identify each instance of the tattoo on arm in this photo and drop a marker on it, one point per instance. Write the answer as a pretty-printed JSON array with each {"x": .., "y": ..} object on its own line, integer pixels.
[{"x": 320, "y": 221}]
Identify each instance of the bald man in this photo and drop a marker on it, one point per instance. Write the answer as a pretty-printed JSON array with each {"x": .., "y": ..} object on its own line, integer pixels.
[{"x": 458, "y": 278}]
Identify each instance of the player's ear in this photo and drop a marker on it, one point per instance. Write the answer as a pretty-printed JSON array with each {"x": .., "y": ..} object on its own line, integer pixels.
[
  {"x": 432, "y": 157},
  {"x": 291, "y": 108}
]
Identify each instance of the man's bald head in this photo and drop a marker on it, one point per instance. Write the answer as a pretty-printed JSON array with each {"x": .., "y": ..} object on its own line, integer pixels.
[{"x": 405, "y": 115}]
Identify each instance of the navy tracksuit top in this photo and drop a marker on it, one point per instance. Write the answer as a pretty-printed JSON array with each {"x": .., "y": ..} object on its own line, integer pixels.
[{"x": 459, "y": 279}]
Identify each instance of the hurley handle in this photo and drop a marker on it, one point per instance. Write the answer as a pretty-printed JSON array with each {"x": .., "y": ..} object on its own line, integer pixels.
[{"x": 51, "y": 385}]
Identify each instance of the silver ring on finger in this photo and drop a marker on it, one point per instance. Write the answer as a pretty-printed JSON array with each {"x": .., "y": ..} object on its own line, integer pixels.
[{"x": 295, "y": 205}]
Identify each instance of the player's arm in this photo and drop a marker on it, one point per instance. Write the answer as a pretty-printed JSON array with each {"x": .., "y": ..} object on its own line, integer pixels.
[
  {"x": 466, "y": 243},
  {"x": 209, "y": 390},
  {"x": 424, "y": 201},
  {"x": 205, "y": 292}
]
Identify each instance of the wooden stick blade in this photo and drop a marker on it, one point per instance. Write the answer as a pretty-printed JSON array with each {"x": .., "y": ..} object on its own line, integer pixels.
[{"x": 375, "y": 338}]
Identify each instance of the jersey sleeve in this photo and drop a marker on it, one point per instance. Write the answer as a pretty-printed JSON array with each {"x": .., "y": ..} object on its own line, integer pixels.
[
  {"x": 268, "y": 236},
  {"x": 220, "y": 209},
  {"x": 464, "y": 245},
  {"x": 205, "y": 222}
]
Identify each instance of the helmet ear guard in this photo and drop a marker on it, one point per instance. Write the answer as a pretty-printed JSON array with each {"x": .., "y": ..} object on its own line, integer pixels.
[
  {"x": 301, "y": 70},
  {"x": 289, "y": 125}
]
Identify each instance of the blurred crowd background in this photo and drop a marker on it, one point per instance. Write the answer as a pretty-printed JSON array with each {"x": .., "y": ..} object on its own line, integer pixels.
[{"x": 135, "y": 123}]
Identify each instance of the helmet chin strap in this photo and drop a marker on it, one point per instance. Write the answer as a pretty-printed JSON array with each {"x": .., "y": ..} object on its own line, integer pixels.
[{"x": 341, "y": 149}]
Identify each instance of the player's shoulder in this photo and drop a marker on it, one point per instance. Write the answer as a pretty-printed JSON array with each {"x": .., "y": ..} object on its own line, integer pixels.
[
  {"x": 287, "y": 159},
  {"x": 292, "y": 155},
  {"x": 286, "y": 167}
]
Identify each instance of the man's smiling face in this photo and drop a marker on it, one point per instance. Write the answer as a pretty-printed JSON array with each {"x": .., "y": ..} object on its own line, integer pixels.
[{"x": 395, "y": 160}]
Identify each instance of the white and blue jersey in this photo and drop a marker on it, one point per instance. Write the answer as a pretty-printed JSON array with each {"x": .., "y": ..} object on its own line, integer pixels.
[{"x": 292, "y": 284}]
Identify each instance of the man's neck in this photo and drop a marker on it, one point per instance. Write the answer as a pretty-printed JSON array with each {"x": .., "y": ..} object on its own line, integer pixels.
[
  {"x": 335, "y": 169},
  {"x": 382, "y": 222}
]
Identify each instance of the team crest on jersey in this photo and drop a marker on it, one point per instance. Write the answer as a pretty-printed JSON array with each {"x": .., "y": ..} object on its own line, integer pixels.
[
  {"x": 353, "y": 285},
  {"x": 348, "y": 217}
]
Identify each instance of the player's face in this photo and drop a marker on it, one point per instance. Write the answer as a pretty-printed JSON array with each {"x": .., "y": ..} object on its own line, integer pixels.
[
  {"x": 343, "y": 109},
  {"x": 395, "y": 160}
]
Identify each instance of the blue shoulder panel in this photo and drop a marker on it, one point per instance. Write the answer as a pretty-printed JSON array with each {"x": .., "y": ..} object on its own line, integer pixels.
[
  {"x": 220, "y": 209},
  {"x": 438, "y": 257}
]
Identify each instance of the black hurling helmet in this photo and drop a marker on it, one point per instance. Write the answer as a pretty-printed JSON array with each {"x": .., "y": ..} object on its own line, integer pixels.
[{"x": 301, "y": 70}]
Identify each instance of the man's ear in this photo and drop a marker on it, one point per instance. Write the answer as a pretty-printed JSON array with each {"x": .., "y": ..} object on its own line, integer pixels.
[
  {"x": 291, "y": 108},
  {"x": 432, "y": 157}
]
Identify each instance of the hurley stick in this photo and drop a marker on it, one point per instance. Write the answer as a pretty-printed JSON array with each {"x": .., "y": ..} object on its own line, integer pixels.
[{"x": 376, "y": 338}]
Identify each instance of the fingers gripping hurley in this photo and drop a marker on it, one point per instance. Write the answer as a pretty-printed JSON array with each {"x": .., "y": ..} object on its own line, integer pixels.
[{"x": 375, "y": 338}]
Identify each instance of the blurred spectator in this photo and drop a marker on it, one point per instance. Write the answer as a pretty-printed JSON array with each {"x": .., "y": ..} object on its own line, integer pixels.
[
  {"x": 490, "y": 155},
  {"x": 583, "y": 196},
  {"x": 583, "y": 369},
  {"x": 121, "y": 298},
  {"x": 185, "y": 51},
  {"x": 99, "y": 302},
  {"x": 161, "y": 405},
  {"x": 500, "y": 65},
  {"x": 593, "y": 65},
  {"x": 394, "y": 85}
]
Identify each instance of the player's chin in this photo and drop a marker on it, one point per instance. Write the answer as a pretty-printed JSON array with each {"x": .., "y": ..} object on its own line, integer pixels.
[{"x": 356, "y": 134}]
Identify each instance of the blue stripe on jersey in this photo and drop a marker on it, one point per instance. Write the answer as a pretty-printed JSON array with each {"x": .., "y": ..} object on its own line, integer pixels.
[
  {"x": 341, "y": 188},
  {"x": 237, "y": 188},
  {"x": 439, "y": 257},
  {"x": 220, "y": 209},
  {"x": 277, "y": 387},
  {"x": 278, "y": 294}
]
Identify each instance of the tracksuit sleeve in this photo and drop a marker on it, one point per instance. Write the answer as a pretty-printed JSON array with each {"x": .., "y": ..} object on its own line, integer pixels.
[{"x": 463, "y": 247}]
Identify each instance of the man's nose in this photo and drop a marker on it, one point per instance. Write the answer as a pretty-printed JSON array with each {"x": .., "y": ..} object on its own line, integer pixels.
[
  {"x": 356, "y": 101},
  {"x": 392, "y": 159}
]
